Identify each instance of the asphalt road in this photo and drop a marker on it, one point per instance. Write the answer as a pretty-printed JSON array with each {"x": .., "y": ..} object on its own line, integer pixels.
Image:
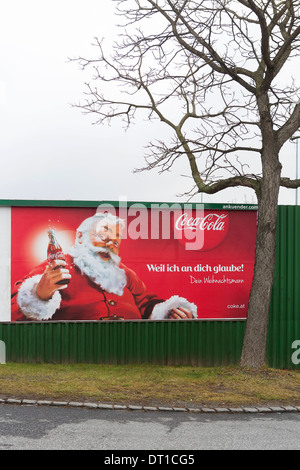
[{"x": 62, "y": 428}]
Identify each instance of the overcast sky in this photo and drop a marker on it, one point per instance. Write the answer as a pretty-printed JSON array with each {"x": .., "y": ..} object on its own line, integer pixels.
[{"x": 50, "y": 150}]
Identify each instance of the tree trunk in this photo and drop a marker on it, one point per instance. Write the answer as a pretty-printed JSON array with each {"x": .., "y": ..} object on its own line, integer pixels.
[{"x": 255, "y": 339}]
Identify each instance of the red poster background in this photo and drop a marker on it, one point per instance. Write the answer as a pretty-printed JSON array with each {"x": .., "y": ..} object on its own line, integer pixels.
[{"x": 216, "y": 278}]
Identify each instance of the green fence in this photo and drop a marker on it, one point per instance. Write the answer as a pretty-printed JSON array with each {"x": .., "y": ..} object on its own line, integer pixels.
[
  {"x": 284, "y": 324},
  {"x": 198, "y": 342},
  {"x": 158, "y": 342}
]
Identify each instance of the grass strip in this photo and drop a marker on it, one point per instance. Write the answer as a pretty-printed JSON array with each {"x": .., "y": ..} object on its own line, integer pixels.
[{"x": 150, "y": 384}]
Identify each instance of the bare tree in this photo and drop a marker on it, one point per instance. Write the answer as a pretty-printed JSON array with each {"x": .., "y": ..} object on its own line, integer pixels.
[{"x": 217, "y": 73}]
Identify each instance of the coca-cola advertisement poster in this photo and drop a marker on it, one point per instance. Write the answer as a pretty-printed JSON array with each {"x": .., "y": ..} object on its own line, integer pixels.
[{"x": 131, "y": 262}]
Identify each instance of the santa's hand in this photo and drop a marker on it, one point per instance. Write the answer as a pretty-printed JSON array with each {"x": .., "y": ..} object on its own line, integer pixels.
[
  {"x": 54, "y": 273},
  {"x": 180, "y": 313}
]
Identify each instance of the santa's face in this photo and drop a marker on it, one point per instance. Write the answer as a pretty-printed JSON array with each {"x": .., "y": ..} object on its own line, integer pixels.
[
  {"x": 106, "y": 234},
  {"x": 95, "y": 253}
]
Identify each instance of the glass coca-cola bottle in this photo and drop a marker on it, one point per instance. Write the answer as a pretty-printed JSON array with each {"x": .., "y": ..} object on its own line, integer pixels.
[{"x": 54, "y": 251}]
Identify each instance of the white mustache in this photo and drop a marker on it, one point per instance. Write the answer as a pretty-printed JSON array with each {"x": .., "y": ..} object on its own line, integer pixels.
[
  {"x": 98, "y": 249},
  {"x": 85, "y": 244}
]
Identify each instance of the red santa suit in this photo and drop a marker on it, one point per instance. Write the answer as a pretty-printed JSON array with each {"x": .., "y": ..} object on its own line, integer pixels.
[{"x": 84, "y": 299}]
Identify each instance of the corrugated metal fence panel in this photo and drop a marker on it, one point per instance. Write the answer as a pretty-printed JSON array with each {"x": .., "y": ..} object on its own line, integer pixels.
[
  {"x": 206, "y": 343},
  {"x": 284, "y": 324}
]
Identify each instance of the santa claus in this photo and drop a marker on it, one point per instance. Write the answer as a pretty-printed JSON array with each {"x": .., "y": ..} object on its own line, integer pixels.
[{"x": 100, "y": 286}]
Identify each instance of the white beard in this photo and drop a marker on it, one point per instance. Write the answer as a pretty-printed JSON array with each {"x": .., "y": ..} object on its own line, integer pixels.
[{"x": 106, "y": 274}]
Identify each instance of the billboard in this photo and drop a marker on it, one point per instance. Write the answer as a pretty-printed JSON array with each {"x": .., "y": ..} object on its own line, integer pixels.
[{"x": 137, "y": 262}]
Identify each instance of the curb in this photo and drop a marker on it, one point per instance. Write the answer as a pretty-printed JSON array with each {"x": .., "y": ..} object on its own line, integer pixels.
[{"x": 103, "y": 406}]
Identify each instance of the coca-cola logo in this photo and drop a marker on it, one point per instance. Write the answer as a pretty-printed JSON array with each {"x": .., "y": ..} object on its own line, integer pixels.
[
  {"x": 201, "y": 230},
  {"x": 57, "y": 255}
]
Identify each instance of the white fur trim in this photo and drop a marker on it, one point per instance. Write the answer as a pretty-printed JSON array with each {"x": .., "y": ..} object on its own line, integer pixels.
[
  {"x": 161, "y": 311},
  {"x": 31, "y": 305}
]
